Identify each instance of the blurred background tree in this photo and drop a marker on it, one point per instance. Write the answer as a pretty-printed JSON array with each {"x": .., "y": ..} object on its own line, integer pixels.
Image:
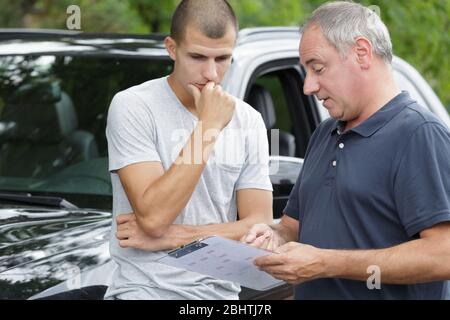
[{"x": 420, "y": 29}]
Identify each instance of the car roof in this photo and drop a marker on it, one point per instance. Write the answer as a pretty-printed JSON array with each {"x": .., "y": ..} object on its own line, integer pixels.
[
  {"x": 65, "y": 42},
  {"x": 29, "y": 41}
]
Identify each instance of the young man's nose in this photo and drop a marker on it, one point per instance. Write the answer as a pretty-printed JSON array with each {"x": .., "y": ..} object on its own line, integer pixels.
[
  {"x": 210, "y": 70},
  {"x": 311, "y": 85}
]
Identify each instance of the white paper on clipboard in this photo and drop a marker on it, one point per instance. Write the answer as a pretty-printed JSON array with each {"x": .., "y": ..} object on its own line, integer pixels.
[{"x": 223, "y": 259}]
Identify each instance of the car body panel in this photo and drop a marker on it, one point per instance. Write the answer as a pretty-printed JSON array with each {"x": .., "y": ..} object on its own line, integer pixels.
[{"x": 40, "y": 247}]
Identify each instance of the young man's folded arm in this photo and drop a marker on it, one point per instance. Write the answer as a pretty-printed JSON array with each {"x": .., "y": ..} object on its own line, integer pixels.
[{"x": 254, "y": 206}]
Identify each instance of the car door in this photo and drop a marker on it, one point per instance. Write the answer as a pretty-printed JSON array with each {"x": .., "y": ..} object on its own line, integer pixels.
[{"x": 275, "y": 90}]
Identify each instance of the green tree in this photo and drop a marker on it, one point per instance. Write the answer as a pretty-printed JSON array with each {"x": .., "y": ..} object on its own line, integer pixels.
[
  {"x": 253, "y": 13},
  {"x": 155, "y": 14},
  {"x": 96, "y": 16},
  {"x": 13, "y": 13},
  {"x": 420, "y": 33}
]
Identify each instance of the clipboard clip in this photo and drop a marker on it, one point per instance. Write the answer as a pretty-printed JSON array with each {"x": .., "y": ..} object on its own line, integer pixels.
[{"x": 187, "y": 248}]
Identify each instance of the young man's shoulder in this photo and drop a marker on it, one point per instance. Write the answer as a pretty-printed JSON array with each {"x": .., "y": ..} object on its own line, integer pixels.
[
  {"x": 136, "y": 98},
  {"x": 246, "y": 111},
  {"x": 145, "y": 89}
]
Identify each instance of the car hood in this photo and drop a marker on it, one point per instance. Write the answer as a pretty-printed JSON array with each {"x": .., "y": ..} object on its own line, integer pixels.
[{"x": 40, "y": 247}]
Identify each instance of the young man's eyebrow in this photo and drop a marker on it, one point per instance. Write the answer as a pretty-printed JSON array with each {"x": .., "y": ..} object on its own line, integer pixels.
[
  {"x": 195, "y": 54},
  {"x": 225, "y": 56}
]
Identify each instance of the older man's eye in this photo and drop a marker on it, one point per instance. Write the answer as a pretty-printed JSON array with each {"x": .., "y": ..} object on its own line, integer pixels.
[{"x": 318, "y": 71}]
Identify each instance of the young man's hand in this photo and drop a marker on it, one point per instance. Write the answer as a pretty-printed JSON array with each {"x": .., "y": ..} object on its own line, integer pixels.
[
  {"x": 215, "y": 107},
  {"x": 131, "y": 235}
]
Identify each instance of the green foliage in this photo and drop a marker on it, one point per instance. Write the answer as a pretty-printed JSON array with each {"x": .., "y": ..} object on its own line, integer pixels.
[
  {"x": 420, "y": 29},
  {"x": 155, "y": 14},
  {"x": 96, "y": 16},
  {"x": 253, "y": 13},
  {"x": 420, "y": 33},
  {"x": 10, "y": 14}
]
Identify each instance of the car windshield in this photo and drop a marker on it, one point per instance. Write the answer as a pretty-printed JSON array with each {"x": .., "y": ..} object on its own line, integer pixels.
[{"x": 53, "y": 111}]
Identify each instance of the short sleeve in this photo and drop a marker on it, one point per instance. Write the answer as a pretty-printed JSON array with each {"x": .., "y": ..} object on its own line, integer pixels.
[
  {"x": 292, "y": 207},
  {"x": 130, "y": 132},
  {"x": 255, "y": 171},
  {"x": 422, "y": 180}
]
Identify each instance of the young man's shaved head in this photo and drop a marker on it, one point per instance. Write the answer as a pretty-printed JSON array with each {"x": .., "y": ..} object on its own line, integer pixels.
[{"x": 211, "y": 17}]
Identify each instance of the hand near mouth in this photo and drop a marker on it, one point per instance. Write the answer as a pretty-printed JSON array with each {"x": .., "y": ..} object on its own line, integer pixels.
[{"x": 215, "y": 107}]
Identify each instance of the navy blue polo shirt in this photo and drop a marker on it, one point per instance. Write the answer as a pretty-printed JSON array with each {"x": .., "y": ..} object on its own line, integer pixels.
[{"x": 375, "y": 186}]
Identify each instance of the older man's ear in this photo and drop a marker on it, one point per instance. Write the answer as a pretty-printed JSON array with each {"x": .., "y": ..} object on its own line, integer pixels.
[{"x": 363, "y": 52}]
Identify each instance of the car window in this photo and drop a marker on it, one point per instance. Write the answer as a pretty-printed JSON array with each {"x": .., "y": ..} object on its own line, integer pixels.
[
  {"x": 267, "y": 96},
  {"x": 275, "y": 90},
  {"x": 272, "y": 84},
  {"x": 53, "y": 112}
]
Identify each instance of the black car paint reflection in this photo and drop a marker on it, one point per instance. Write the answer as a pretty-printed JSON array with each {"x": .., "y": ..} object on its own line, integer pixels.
[{"x": 40, "y": 248}]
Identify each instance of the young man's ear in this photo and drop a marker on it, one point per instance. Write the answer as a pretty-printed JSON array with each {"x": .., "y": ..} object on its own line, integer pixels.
[
  {"x": 171, "y": 47},
  {"x": 364, "y": 54}
]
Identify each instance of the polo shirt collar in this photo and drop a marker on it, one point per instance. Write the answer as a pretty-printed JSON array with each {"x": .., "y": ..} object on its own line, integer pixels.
[{"x": 379, "y": 119}]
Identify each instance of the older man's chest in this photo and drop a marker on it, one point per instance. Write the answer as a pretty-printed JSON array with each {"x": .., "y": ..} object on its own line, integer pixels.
[{"x": 351, "y": 167}]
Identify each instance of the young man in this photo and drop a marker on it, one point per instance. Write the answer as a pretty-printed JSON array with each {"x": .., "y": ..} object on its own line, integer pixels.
[
  {"x": 371, "y": 207},
  {"x": 179, "y": 192}
]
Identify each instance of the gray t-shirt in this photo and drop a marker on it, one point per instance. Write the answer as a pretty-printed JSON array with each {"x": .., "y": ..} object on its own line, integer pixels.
[{"x": 148, "y": 123}]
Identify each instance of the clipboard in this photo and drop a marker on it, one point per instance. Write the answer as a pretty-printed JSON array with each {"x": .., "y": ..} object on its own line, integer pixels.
[{"x": 223, "y": 259}]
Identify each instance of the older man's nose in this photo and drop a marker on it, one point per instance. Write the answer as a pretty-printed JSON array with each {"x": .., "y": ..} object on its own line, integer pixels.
[{"x": 311, "y": 85}]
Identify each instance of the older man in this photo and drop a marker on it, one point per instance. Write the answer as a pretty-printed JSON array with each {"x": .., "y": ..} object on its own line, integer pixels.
[{"x": 373, "y": 198}]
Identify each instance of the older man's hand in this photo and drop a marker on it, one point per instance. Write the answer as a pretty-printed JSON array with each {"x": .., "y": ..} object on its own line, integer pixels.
[{"x": 294, "y": 263}]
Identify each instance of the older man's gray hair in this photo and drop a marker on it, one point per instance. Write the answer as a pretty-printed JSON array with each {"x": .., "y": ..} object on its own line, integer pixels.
[{"x": 342, "y": 22}]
